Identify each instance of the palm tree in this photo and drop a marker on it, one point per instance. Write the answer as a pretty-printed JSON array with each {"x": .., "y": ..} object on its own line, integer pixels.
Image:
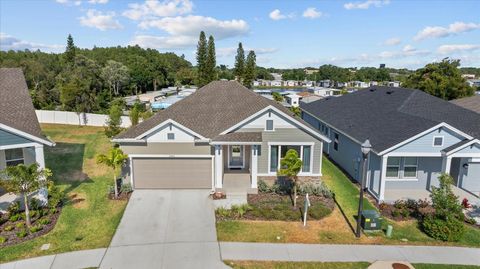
[
  {"x": 23, "y": 180},
  {"x": 114, "y": 159},
  {"x": 290, "y": 166}
]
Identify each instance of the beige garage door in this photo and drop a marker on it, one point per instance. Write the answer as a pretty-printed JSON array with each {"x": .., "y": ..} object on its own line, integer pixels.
[{"x": 172, "y": 173}]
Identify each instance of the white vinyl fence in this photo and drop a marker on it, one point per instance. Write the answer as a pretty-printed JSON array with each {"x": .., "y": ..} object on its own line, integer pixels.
[{"x": 73, "y": 118}]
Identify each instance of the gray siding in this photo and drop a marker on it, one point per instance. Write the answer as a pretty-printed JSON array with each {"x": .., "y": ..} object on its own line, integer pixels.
[
  {"x": 375, "y": 173},
  {"x": 318, "y": 125},
  {"x": 2, "y": 160},
  {"x": 429, "y": 169},
  {"x": 166, "y": 148},
  {"x": 469, "y": 178},
  {"x": 348, "y": 156},
  {"x": 425, "y": 143},
  {"x": 286, "y": 135},
  {"x": 475, "y": 148},
  {"x": 7, "y": 138}
]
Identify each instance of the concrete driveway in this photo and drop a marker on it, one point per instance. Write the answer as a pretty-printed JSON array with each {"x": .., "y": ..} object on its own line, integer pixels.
[{"x": 166, "y": 229}]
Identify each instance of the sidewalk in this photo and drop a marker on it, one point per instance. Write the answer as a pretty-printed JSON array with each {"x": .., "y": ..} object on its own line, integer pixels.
[{"x": 348, "y": 253}]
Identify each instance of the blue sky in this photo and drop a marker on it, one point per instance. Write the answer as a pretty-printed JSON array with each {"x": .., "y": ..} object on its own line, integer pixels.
[{"x": 284, "y": 34}]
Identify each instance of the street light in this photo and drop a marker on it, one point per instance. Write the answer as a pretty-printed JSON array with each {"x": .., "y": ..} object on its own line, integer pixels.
[{"x": 366, "y": 147}]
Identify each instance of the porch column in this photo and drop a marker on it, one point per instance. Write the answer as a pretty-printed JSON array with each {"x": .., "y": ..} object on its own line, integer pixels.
[
  {"x": 39, "y": 157},
  {"x": 218, "y": 166},
  {"x": 446, "y": 164},
  {"x": 254, "y": 165},
  {"x": 381, "y": 195},
  {"x": 42, "y": 195}
]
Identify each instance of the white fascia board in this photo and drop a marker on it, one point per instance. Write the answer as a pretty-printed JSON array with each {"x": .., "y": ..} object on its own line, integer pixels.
[
  {"x": 26, "y": 135},
  {"x": 474, "y": 141},
  {"x": 169, "y": 121},
  {"x": 440, "y": 125},
  {"x": 234, "y": 143},
  {"x": 127, "y": 140},
  {"x": 295, "y": 121}
]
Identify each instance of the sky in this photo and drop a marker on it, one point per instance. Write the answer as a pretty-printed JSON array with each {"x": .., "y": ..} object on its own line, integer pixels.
[{"x": 283, "y": 34}]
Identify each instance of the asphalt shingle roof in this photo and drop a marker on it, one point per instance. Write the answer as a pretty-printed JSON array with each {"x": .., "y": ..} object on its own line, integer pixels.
[
  {"x": 388, "y": 116},
  {"x": 471, "y": 103},
  {"x": 209, "y": 111},
  {"x": 16, "y": 108}
]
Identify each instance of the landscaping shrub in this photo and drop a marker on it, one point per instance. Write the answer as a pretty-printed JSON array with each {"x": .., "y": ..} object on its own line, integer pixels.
[
  {"x": 36, "y": 228},
  {"x": 13, "y": 208},
  {"x": 44, "y": 221},
  {"x": 240, "y": 210},
  {"x": 55, "y": 196},
  {"x": 22, "y": 234},
  {"x": 126, "y": 188},
  {"x": 8, "y": 228},
  {"x": 14, "y": 218},
  {"x": 263, "y": 186},
  {"x": 2, "y": 240},
  {"x": 20, "y": 225},
  {"x": 318, "y": 211},
  {"x": 446, "y": 223},
  {"x": 35, "y": 204},
  {"x": 223, "y": 213},
  {"x": 315, "y": 188}
]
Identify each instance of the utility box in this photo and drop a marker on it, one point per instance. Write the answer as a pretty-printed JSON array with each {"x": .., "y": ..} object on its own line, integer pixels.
[{"x": 371, "y": 220}]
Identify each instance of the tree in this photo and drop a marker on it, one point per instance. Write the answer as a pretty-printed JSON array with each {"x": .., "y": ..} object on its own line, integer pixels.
[
  {"x": 250, "y": 66},
  {"x": 202, "y": 51},
  {"x": 239, "y": 69},
  {"x": 296, "y": 111},
  {"x": 116, "y": 75},
  {"x": 211, "y": 61},
  {"x": 70, "y": 50},
  {"x": 23, "y": 180},
  {"x": 441, "y": 79},
  {"x": 136, "y": 112},
  {"x": 114, "y": 120},
  {"x": 277, "y": 97},
  {"x": 115, "y": 160},
  {"x": 290, "y": 166}
]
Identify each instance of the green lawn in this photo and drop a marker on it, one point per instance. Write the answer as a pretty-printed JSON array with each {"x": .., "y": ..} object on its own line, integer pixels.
[
  {"x": 329, "y": 265},
  {"x": 89, "y": 219}
]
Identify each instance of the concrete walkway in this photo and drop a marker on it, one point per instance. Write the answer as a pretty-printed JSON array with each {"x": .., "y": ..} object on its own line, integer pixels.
[{"x": 349, "y": 253}]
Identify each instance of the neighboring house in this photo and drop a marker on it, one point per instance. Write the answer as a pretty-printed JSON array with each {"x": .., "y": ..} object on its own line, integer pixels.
[
  {"x": 394, "y": 84},
  {"x": 325, "y": 83},
  {"x": 325, "y": 92},
  {"x": 472, "y": 103},
  {"x": 474, "y": 82},
  {"x": 21, "y": 139},
  {"x": 290, "y": 83},
  {"x": 276, "y": 83},
  {"x": 415, "y": 137},
  {"x": 221, "y": 137},
  {"x": 293, "y": 99},
  {"x": 359, "y": 84}
]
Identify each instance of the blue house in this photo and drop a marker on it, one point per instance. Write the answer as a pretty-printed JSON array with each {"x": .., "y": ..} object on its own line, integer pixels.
[{"x": 415, "y": 137}]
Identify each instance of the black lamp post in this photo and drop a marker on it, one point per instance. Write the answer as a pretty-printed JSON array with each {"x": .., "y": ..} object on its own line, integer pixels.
[{"x": 366, "y": 147}]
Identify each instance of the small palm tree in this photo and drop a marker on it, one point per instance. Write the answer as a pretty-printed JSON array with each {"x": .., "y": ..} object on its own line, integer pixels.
[
  {"x": 23, "y": 180},
  {"x": 290, "y": 166},
  {"x": 114, "y": 159}
]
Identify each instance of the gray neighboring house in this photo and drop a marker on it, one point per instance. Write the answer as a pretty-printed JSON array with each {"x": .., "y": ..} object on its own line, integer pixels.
[
  {"x": 223, "y": 137},
  {"x": 471, "y": 103},
  {"x": 415, "y": 137},
  {"x": 21, "y": 139}
]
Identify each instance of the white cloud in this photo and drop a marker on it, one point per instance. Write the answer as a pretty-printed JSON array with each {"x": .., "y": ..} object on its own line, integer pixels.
[
  {"x": 312, "y": 13},
  {"x": 366, "y": 4},
  {"x": 8, "y": 42},
  {"x": 192, "y": 25},
  {"x": 439, "y": 31},
  {"x": 70, "y": 2},
  {"x": 407, "y": 51},
  {"x": 448, "y": 49},
  {"x": 225, "y": 52},
  {"x": 392, "y": 41},
  {"x": 163, "y": 42},
  {"x": 154, "y": 8},
  {"x": 100, "y": 20},
  {"x": 277, "y": 15},
  {"x": 97, "y": 1}
]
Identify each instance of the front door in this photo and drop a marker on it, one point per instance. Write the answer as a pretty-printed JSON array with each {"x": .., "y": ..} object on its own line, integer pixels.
[{"x": 236, "y": 157}]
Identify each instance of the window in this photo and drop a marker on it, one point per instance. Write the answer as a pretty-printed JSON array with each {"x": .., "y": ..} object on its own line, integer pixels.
[
  {"x": 393, "y": 167},
  {"x": 14, "y": 157},
  {"x": 273, "y": 158},
  {"x": 335, "y": 142},
  {"x": 410, "y": 165},
  {"x": 306, "y": 158},
  {"x": 269, "y": 126},
  {"x": 438, "y": 141},
  {"x": 170, "y": 136}
]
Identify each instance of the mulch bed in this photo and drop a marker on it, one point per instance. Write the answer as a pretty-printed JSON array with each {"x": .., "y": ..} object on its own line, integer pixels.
[
  {"x": 121, "y": 196},
  {"x": 13, "y": 239},
  {"x": 270, "y": 197}
]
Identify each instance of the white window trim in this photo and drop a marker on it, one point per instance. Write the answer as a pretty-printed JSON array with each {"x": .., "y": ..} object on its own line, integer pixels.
[
  {"x": 399, "y": 166},
  {"x": 171, "y": 133},
  {"x": 416, "y": 169},
  {"x": 336, "y": 141},
  {"x": 438, "y": 136},
  {"x": 401, "y": 170},
  {"x": 243, "y": 157},
  {"x": 301, "y": 144},
  {"x": 273, "y": 126}
]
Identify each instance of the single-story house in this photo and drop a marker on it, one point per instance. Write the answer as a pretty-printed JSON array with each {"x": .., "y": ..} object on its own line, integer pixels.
[
  {"x": 472, "y": 103},
  {"x": 222, "y": 136},
  {"x": 21, "y": 139},
  {"x": 415, "y": 137}
]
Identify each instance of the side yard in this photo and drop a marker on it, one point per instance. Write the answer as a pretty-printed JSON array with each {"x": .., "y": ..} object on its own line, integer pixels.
[
  {"x": 88, "y": 219},
  {"x": 337, "y": 227}
]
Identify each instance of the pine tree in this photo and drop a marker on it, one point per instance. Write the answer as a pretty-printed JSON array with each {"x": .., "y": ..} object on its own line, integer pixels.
[
  {"x": 70, "y": 50},
  {"x": 250, "y": 66},
  {"x": 211, "y": 62},
  {"x": 239, "y": 68},
  {"x": 202, "y": 60}
]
